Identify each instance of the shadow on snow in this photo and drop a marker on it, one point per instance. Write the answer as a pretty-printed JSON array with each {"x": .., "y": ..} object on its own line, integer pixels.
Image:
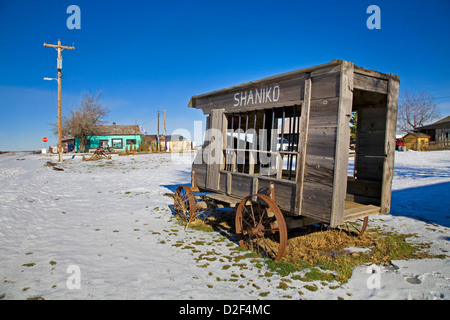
[{"x": 430, "y": 203}]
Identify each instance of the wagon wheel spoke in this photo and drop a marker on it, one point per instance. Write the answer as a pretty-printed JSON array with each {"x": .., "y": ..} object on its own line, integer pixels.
[
  {"x": 251, "y": 214},
  {"x": 184, "y": 203},
  {"x": 269, "y": 247},
  {"x": 356, "y": 228},
  {"x": 248, "y": 224},
  {"x": 260, "y": 226}
]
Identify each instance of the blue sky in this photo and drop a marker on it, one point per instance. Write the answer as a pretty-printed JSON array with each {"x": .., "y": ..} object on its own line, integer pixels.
[{"x": 147, "y": 56}]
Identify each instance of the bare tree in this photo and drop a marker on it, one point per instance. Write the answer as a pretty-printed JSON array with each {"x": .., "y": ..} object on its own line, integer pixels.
[
  {"x": 85, "y": 120},
  {"x": 416, "y": 109}
]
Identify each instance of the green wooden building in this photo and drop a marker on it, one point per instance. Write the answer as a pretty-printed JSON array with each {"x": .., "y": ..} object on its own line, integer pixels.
[{"x": 118, "y": 137}]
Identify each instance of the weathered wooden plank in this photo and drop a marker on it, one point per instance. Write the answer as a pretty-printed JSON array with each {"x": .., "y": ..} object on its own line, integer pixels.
[
  {"x": 325, "y": 86},
  {"x": 371, "y": 143},
  {"x": 200, "y": 178},
  {"x": 241, "y": 185},
  {"x": 317, "y": 202},
  {"x": 363, "y": 199},
  {"x": 297, "y": 74},
  {"x": 222, "y": 182},
  {"x": 285, "y": 192},
  {"x": 364, "y": 188},
  {"x": 214, "y": 150},
  {"x": 372, "y": 119},
  {"x": 224, "y": 198},
  {"x": 255, "y": 96},
  {"x": 319, "y": 170},
  {"x": 324, "y": 112},
  {"x": 229, "y": 178},
  {"x": 303, "y": 144},
  {"x": 368, "y": 83},
  {"x": 342, "y": 143},
  {"x": 356, "y": 210},
  {"x": 391, "y": 126},
  {"x": 363, "y": 99},
  {"x": 370, "y": 73},
  {"x": 369, "y": 168},
  {"x": 331, "y": 69},
  {"x": 321, "y": 142}
]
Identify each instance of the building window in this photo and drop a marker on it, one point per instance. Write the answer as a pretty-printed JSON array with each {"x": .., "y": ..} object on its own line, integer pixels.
[
  {"x": 131, "y": 141},
  {"x": 117, "y": 143},
  {"x": 103, "y": 143}
]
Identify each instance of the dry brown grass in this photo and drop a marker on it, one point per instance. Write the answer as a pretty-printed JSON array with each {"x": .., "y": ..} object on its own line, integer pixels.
[
  {"x": 322, "y": 251},
  {"x": 322, "y": 246}
]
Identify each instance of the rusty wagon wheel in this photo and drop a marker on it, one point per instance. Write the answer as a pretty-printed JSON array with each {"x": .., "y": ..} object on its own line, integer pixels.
[
  {"x": 260, "y": 226},
  {"x": 357, "y": 227},
  {"x": 184, "y": 203}
]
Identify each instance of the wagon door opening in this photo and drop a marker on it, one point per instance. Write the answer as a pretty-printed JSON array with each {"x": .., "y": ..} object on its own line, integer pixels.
[
  {"x": 365, "y": 180},
  {"x": 370, "y": 171}
]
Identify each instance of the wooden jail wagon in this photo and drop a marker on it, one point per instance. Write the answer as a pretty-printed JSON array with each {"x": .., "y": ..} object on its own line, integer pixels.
[{"x": 278, "y": 150}]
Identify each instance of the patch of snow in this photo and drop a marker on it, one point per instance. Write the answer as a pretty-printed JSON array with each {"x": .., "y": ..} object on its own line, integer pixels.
[{"x": 111, "y": 219}]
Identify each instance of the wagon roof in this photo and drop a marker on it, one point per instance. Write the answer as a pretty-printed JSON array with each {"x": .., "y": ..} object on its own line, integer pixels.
[{"x": 281, "y": 77}]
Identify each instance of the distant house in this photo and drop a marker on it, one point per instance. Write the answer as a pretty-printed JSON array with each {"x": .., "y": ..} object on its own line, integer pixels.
[
  {"x": 118, "y": 137},
  {"x": 176, "y": 143},
  {"x": 416, "y": 141},
  {"x": 439, "y": 131},
  {"x": 172, "y": 143},
  {"x": 68, "y": 144}
]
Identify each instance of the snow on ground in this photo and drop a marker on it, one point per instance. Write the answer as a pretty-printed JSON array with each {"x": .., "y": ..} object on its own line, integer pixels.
[{"x": 105, "y": 230}]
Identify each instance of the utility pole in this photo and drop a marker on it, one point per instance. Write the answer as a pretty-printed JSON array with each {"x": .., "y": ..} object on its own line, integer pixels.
[
  {"x": 165, "y": 138},
  {"x": 159, "y": 142},
  {"x": 59, "y": 48}
]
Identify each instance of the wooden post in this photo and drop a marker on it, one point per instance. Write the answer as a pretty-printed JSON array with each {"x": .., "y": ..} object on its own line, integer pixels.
[
  {"x": 272, "y": 190},
  {"x": 59, "y": 114},
  {"x": 216, "y": 143},
  {"x": 303, "y": 141},
  {"x": 59, "y": 48},
  {"x": 342, "y": 143},
  {"x": 391, "y": 127},
  {"x": 165, "y": 138},
  {"x": 158, "y": 139},
  {"x": 279, "y": 165}
]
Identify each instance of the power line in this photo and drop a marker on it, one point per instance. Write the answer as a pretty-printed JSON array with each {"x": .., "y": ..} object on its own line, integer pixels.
[{"x": 149, "y": 120}]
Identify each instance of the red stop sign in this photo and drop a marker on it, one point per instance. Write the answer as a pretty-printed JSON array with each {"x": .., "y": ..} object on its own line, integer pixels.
[{"x": 44, "y": 139}]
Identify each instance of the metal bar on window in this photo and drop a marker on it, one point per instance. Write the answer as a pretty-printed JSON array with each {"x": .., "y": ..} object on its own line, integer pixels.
[
  {"x": 245, "y": 141},
  {"x": 232, "y": 143},
  {"x": 263, "y": 139},
  {"x": 291, "y": 142}
]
